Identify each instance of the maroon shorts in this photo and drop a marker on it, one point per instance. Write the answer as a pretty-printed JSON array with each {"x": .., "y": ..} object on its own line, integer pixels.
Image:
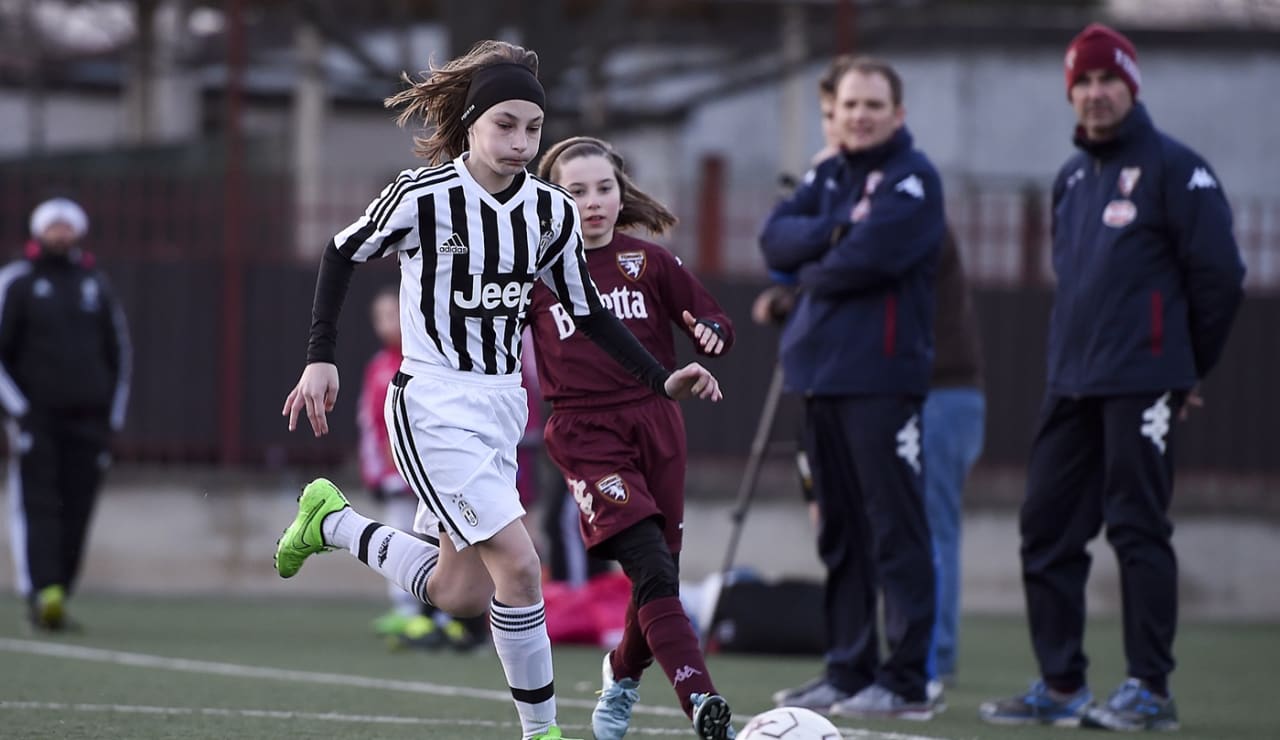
[{"x": 623, "y": 465}]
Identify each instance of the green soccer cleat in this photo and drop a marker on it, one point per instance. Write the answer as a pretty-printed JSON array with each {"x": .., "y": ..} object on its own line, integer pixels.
[
  {"x": 419, "y": 633},
  {"x": 49, "y": 608},
  {"x": 391, "y": 624},
  {"x": 552, "y": 733},
  {"x": 303, "y": 538}
]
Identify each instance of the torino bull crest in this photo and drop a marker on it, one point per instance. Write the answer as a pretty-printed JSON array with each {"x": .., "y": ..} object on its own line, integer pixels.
[{"x": 613, "y": 487}]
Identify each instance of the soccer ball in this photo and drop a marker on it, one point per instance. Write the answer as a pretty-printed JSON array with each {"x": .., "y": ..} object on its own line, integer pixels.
[{"x": 789, "y": 723}]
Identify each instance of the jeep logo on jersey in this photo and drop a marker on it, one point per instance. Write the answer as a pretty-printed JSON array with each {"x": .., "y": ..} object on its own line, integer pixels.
[
  {"x": 501, "y": 295},
  {"x": 613, "y": 487},
  {"x": 632, "y": 264}
]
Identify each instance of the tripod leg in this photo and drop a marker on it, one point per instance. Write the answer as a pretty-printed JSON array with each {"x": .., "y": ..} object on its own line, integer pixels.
[{"x": 746, "y": 490}]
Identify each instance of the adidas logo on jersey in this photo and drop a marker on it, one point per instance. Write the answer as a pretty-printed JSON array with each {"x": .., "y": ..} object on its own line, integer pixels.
[{"x": 452, "y": 245}]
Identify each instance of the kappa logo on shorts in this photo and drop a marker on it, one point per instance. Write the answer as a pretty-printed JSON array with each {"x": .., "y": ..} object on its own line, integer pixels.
[
  {"x": 468, "y": 513},
  {"x": 578, "y": 489},
  {"x": 613, "y": 487}
]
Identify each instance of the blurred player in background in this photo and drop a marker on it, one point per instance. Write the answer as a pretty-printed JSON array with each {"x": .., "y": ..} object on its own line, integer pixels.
[
  {"x": 409, "y": 622},
  {"x": 1149, "y": 279},
  {"x": 65, "y": 364},
  {"x": 473, "y": 233},
  {"x": 621, "y": 448}
]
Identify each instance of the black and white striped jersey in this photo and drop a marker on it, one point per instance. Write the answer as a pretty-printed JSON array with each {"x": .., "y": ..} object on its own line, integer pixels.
[{"x": 468, "y": 262}]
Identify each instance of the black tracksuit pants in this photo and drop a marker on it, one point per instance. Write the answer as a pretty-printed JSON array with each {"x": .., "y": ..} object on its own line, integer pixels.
[
  {"x": 873, "y": 537},
  {"x": 60, "y": 460},
  {"x": 1096, "y": 461}
]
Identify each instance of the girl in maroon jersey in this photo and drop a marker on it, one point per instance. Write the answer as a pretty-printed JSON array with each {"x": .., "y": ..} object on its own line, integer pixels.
[{"x": 620, "y": 447}]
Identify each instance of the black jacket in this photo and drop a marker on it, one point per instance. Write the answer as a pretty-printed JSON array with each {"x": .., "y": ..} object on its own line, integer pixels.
[
  {"x": 862, "y": 234},
  {"x": 64, "y": 345},
  {"x": 1149, "y": 274}
]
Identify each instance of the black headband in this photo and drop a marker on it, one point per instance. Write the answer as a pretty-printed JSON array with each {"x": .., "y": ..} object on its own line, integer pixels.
[{"x": 497, "y": 83}]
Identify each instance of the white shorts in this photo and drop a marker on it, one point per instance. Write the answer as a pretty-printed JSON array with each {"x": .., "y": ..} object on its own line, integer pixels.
[{"x": 453, "y": 437}]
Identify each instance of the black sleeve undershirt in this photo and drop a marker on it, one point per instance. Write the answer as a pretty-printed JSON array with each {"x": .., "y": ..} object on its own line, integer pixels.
[
  {"x": 332, "y": 283},
  {"x": 610, "y": 335}
]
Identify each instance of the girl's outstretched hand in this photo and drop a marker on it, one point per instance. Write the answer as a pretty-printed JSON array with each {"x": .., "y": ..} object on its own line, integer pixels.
[
  {"x": 693, "y": 381},
  {"x": 316, "y": 392}
]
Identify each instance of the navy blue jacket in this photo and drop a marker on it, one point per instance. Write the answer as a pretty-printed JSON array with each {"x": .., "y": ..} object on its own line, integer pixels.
[
  {"x": 1149, "y": 274},
  {"x": 862, "y": 233}
]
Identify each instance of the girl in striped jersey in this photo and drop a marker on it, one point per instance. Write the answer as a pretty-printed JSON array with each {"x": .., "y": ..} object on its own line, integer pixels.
[
  {"x": 472, "y": 234},
  {"x": 621, "y": 449}
]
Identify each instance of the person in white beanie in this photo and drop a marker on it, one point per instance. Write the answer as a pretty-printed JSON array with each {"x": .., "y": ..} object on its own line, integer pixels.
[{"x": 64, "y": 383}]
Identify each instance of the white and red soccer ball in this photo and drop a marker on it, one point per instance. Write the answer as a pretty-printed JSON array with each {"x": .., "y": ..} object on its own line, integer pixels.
[{"x": 789, "y": 723}]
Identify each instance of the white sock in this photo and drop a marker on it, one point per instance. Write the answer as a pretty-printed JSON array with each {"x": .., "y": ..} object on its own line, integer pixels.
[
  {"x": 520, "y": 637},
  {"x": 392, "y": 553},
  {"x": 398, "y": 511}
]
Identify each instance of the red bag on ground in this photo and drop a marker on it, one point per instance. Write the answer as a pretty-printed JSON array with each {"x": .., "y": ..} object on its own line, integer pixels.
[{"x": 594, "y": 614}]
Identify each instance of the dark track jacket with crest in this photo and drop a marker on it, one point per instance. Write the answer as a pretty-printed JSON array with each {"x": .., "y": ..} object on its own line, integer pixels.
[
  {"x": 862, "y": 233},
  {"x": 1149, "y": 274}
]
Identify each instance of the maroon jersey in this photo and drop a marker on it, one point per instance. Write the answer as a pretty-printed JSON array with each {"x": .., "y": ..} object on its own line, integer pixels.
[
  {"x": 620, "y": 448},
  {"x": 647, "y": 288}
]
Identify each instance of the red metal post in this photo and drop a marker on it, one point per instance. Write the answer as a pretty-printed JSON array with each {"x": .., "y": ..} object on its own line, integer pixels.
[
  {"x": 231, "y": 392},
  {"x": 710, "y": 257}
]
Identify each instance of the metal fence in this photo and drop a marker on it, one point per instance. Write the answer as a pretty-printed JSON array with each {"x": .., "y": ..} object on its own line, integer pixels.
[{"x": 210, "y": 377}]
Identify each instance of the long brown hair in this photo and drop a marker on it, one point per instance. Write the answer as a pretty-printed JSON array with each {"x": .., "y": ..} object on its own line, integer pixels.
[
  {"x": 638, "y": 207},
  {"x": 437, "y": 97}
]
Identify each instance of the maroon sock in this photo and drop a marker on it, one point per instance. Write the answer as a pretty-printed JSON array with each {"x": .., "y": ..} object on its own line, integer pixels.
[
  {"x": 632, "y": 655},
  {"x": 674, "y": 644}
]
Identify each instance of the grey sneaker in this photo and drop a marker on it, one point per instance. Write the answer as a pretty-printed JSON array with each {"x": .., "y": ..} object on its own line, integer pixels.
[
  {"x": 712, "y": 719},
  {"x": 818, "y": 695},
  {"x": 1039, "y": 705},
  {"x": 612, "y": 715},
  {"x": 1133, "y": 707},
  {"x": 878, "y": 702}
]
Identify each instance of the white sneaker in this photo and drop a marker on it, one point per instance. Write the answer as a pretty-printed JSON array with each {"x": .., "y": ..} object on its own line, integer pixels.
[
  {"x": 612, "y": 715},
  {"x": 818, "y": 695},
  {"x": 877, "y": 702}
]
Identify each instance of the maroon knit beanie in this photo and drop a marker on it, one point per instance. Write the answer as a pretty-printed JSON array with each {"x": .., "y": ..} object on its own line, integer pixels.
[{"x": 1100, "y": 47}]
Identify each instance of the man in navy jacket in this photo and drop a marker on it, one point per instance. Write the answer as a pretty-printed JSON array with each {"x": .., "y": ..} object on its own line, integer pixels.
[
  {"x": 862, "y": 235},
  {"x": 1149, "y": 280}
]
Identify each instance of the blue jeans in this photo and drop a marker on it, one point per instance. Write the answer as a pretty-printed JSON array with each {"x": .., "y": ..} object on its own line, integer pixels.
[{"x": 953, "y": 431}]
